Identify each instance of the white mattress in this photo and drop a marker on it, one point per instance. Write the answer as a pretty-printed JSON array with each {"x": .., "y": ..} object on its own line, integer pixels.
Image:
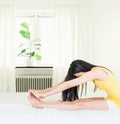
[{"x": 15, "y": 109}]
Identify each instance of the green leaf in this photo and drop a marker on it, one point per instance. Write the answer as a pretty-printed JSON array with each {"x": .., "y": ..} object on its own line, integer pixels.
[
  {"x": 25, "y": 25},
  {"x": 37, "y": 44},
  {"x": 37, "y": 40},
  {"x": 25, "y": 34},
  {"x": 22, "y": 52},
  {"x": 22, "y": 32},
  {"x": 37, "y": 48},
  {"x": 38, "y": 57},
  {"x": 32, "y": 54}
]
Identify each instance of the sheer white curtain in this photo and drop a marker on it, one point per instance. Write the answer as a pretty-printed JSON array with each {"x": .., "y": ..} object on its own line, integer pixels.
[
  {"x": 7, "y": 72},
  {"x": 66, "y": 39},
  {"x": 74, "y": 36}
]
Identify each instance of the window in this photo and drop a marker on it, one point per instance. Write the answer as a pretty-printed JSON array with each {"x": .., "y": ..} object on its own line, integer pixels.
[{"x": 41, "y": 26}]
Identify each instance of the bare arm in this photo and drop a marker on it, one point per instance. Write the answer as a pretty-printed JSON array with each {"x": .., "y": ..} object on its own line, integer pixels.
[{"x": 85, "y": 77}]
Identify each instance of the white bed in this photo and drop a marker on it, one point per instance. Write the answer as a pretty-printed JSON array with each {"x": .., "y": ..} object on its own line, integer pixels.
[{"x": 15, "y": 109}]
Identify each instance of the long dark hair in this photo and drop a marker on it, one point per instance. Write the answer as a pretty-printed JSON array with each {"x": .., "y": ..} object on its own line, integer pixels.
[{"x": 75, "y": 67}]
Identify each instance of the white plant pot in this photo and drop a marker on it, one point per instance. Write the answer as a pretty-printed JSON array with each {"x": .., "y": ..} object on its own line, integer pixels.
[{"x": 29, "y": 62}]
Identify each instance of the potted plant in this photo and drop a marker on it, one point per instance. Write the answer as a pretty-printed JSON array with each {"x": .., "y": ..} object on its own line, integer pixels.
[{"x": 29, "y": 48}]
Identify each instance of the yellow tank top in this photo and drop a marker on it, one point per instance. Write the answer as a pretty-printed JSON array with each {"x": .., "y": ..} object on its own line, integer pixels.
[{"x": 111, "y": 86}]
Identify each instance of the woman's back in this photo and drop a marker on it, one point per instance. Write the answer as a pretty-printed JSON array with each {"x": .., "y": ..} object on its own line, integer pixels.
[{"x": 111, "y": 86}]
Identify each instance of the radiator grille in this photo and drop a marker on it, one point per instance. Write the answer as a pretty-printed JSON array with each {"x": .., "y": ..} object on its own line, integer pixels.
[{"x": 33, "y": 78}]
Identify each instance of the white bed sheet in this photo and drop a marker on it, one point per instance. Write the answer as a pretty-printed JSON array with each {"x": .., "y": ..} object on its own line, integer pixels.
[{"x": 15, "y": 109}]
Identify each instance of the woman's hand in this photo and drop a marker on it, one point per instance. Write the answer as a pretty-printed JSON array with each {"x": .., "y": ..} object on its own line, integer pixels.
[{"x": 38, "y": 93}]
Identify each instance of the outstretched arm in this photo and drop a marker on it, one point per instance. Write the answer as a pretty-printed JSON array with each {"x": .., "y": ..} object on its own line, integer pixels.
[{"x": 96, "y": 73}]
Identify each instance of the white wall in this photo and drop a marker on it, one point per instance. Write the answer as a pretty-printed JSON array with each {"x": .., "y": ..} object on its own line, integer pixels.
[{"x": 107, "y": 33}]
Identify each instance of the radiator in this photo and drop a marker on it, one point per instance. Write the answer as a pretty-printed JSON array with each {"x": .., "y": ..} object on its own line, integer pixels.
[{"x": 33, "y": 78}]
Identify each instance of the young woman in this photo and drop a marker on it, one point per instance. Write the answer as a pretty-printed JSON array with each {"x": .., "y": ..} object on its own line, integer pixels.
[{"x": 79, "y": 73}]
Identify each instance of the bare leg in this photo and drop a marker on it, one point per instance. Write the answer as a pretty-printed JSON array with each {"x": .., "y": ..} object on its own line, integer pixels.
[{"x": 81, "y": 104}]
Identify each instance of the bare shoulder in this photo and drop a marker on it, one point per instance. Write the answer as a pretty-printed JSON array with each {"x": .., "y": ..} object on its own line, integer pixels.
[{"x": 100, "y": 73}]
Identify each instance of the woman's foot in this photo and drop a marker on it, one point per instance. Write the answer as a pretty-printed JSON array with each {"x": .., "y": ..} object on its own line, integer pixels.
[{"x": 35, "y": 102}]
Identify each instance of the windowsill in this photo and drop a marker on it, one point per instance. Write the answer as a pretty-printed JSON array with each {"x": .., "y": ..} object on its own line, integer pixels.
[{"x": 33, "y": 67}]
